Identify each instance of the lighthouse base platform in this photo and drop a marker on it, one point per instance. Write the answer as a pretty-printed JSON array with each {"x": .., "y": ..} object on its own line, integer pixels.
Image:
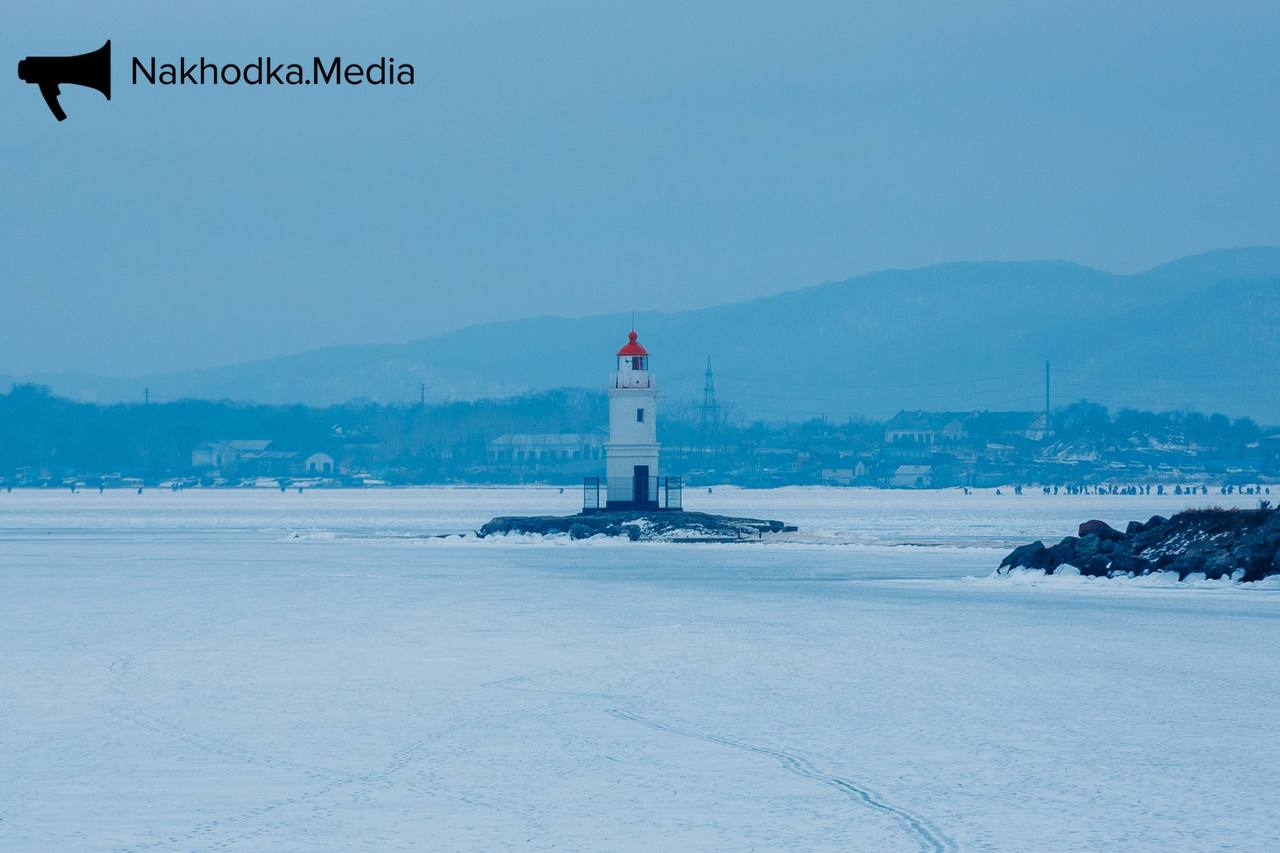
[
  {"x": 640, "y": 525},
  {"x": 646, "y": 494},
  {"x": 630, "y": 506}
]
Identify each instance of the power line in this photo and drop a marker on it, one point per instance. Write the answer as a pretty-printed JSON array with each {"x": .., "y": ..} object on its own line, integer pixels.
[
  {"x": 805, "y": 394},
  {"x": 879, "y": 387},
  {"x": 1181, "y": 374},
  {"x": 1029, "y": 394}
]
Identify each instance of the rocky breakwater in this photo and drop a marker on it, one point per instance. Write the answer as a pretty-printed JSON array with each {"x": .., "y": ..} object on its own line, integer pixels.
[
  {"x": 1218, "y": 543},
  {"x": 639, "y": 526}
]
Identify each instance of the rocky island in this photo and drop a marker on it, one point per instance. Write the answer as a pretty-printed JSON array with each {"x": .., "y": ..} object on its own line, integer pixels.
[
  {"x": 638, "y": 525},
  {"x": 1243, "y": 544}
]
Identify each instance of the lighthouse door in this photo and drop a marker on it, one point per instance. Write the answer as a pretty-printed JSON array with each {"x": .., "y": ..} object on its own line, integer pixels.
[{"x": 640, "y": 485}]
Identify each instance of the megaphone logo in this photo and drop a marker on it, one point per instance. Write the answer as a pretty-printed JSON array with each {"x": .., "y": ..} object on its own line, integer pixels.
[{"x": 86, "y": 69}]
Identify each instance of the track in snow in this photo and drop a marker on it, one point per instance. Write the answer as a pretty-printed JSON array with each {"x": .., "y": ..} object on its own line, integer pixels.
[{"x": 931, "y": 838}]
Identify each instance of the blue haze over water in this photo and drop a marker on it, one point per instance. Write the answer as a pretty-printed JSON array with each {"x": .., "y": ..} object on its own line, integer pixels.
[{"x": 579, "y": 159}]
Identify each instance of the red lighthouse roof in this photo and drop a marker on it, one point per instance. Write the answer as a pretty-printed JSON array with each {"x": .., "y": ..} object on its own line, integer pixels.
[{"x": 632, "y": 348}]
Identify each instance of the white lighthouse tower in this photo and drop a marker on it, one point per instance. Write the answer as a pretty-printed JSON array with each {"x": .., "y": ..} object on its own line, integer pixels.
[{"x": 631, "y": 454}]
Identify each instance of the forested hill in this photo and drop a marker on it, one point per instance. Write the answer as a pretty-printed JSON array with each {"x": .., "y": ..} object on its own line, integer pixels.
[{"x": 1201, "y": 332}]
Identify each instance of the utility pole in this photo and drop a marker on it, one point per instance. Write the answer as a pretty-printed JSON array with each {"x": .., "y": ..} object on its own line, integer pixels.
[
  {"x": 709, "y": 406},
  {"x": 1046, "y": 397},
  {"x": 146, "y": 432}
]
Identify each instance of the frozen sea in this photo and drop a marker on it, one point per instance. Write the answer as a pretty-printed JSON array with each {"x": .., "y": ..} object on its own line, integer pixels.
[{"x": 255, "y": 670}]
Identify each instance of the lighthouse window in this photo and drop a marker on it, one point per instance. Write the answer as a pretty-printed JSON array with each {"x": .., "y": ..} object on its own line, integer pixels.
[
  {"x": 639, "y": 416},
  {"x": 637, "y": 362}
]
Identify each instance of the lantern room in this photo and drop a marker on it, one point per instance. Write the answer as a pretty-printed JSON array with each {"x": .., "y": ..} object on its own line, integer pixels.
[{"x": 633, "y": 365}]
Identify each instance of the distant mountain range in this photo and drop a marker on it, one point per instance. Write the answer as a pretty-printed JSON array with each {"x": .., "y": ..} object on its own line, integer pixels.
[{"x": 1201, "y": 332}]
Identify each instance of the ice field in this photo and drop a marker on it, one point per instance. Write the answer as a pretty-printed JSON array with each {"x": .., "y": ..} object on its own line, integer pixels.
[{"x": 255, "y": 670}]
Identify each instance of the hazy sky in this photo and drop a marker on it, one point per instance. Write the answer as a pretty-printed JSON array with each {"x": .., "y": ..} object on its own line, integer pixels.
[{"x": 576, "y": 158}]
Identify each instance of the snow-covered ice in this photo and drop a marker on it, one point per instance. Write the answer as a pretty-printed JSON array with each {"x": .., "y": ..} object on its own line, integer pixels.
[{"x": 252, "y": 670}]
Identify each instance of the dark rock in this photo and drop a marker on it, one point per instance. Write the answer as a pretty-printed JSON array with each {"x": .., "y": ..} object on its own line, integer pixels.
[
  {"x": 656, "y": 525},
  {"x": 1098, "y": 528},
  {"x": 1252, "y": 555},
  {"x": 1186, "y": 564},
  {"x": 1092, "y": 566},
  {"x": 1218, "y": 565},
  {"x": 1087, "y": 546},
  {"x": 1063, "y": 552},
  {"x": 1258, "y": 572},
  {"x": 1092, "y": 545},
  {"x": 1124, "y": 564},
  {"x": 1215, "y": 542},
  {"x": 1025, "y": 557}
]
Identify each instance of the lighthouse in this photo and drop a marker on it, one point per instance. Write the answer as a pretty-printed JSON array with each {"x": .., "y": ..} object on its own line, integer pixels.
[{"x": 631, "y": 454}]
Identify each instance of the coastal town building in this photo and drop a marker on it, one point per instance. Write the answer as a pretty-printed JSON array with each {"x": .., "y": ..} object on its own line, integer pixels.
[
  {"x": 912, "y": 477},
  {"x": 545, "y": 448},
  {"x": 228, "y": 454},
  {"x": 320, "y": 465},
  {"x": 258, "y": 457},
  {"x": 926, "y": 428},
  {"x": 942, "y": 428}
]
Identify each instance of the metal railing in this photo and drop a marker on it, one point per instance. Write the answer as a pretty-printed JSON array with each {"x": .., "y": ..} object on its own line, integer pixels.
[
  {"x": 591, "y": 493},
  {"x": 665, "y": 493},
  {"x": 669, "y": 492}
]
